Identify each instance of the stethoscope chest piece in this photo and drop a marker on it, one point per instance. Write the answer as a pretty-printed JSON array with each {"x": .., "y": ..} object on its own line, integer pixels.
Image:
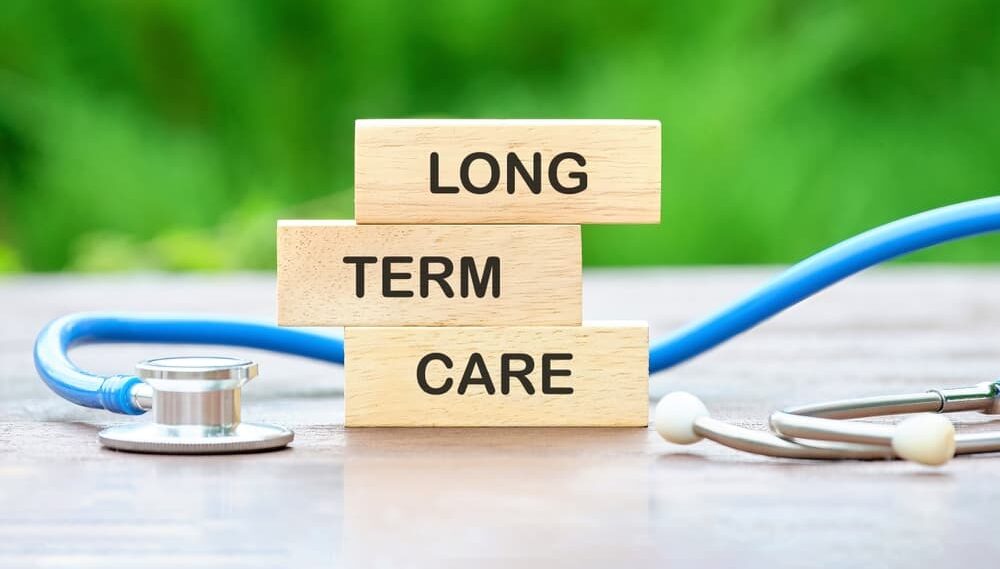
[{"x": 196, "y": 410}]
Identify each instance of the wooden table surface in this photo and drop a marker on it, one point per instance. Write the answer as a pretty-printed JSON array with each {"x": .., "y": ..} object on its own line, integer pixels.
[{"x": 512, "y": 497}]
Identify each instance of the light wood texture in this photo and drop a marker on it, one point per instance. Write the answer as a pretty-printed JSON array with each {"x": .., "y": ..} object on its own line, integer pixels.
[
  {"x": 534, "y": 276},
  {"x": 498, "y": 497},
  {"x": 415, "y": 377},
  {"x": 393, "y": 171}
]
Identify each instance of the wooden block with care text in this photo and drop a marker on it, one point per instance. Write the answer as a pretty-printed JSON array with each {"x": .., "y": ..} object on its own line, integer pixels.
[
  {"x": 507, "y": 171},
  {"x": 590, "y": 376},
  {"x": 336, "y": 273}
]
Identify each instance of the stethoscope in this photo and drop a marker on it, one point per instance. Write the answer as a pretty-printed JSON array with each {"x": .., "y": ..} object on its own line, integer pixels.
[
  {"x": 196, "y": 400},
  {"x": 820, "y": 431}
]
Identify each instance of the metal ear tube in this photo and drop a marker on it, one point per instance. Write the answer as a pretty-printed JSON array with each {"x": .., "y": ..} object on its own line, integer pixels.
[{"x": 824, "y": 431}]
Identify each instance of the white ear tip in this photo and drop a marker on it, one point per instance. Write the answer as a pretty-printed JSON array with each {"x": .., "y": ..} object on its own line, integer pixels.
[
  {"x": 675, "y": 416},
  {"x": 927, "y": 438}
]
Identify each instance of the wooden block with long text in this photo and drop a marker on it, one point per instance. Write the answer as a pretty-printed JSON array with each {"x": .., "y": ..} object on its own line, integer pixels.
[
  {"x": 336, "y": 273},
  {"x": 594, "y": 375},
  {"x": 507, "y": 171}
]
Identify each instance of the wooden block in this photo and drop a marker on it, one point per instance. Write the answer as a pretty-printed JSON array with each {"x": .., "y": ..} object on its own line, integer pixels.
[
  {"x": 478, "y": 171},
  {"x": 594, "y": 375},
  {"x": 336, "y": 273}
]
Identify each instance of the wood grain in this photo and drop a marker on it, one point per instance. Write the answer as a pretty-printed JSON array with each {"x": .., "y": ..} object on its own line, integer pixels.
[
  {"x": 601, "y": 378},
  {"x": 393, "y": 171},
  {"x": 535, "y": 279}
]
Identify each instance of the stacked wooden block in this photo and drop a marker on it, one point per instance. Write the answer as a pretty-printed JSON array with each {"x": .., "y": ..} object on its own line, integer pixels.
[{"x": 459, "y": 283}]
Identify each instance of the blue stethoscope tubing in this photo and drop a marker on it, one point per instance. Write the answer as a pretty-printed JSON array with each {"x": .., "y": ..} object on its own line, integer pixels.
[{"x": 114, "y": 393}]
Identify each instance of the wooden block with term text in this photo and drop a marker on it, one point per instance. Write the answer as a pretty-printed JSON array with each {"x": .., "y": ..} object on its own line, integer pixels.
[
  {"x": 507, "y": 171},
  {"x": 595, "y": 375},
  {"x": 336, "y": 273}
]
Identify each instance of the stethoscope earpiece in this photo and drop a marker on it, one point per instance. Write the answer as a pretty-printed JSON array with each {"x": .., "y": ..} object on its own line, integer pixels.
[
  {"x": 926, "y": 438},
  {"x": 676, "y": 415}
]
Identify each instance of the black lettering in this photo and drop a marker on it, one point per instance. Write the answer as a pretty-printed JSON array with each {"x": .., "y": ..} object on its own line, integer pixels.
[
  {"x": 548, "y": 373},
  {"x": 476, "y": 361},
  {"x": 388, "y": 276},
  {"x": 436, "y": 187},
  {"x": 422, "y": 374},
  {"x": 506, "y": 372},
  {"x": 494, "y": 173},
  {"x": 490, "y": 275},
  {"x": 359, "y": 272},
  {"x": 533, "y": 180},
  {"x": 426, "y": 276},
  {"x": 580, "y": 177}
]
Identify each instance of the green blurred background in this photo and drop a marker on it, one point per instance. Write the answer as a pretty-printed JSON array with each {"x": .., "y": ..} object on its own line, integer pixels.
[{"x": 171, "y": 135}]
